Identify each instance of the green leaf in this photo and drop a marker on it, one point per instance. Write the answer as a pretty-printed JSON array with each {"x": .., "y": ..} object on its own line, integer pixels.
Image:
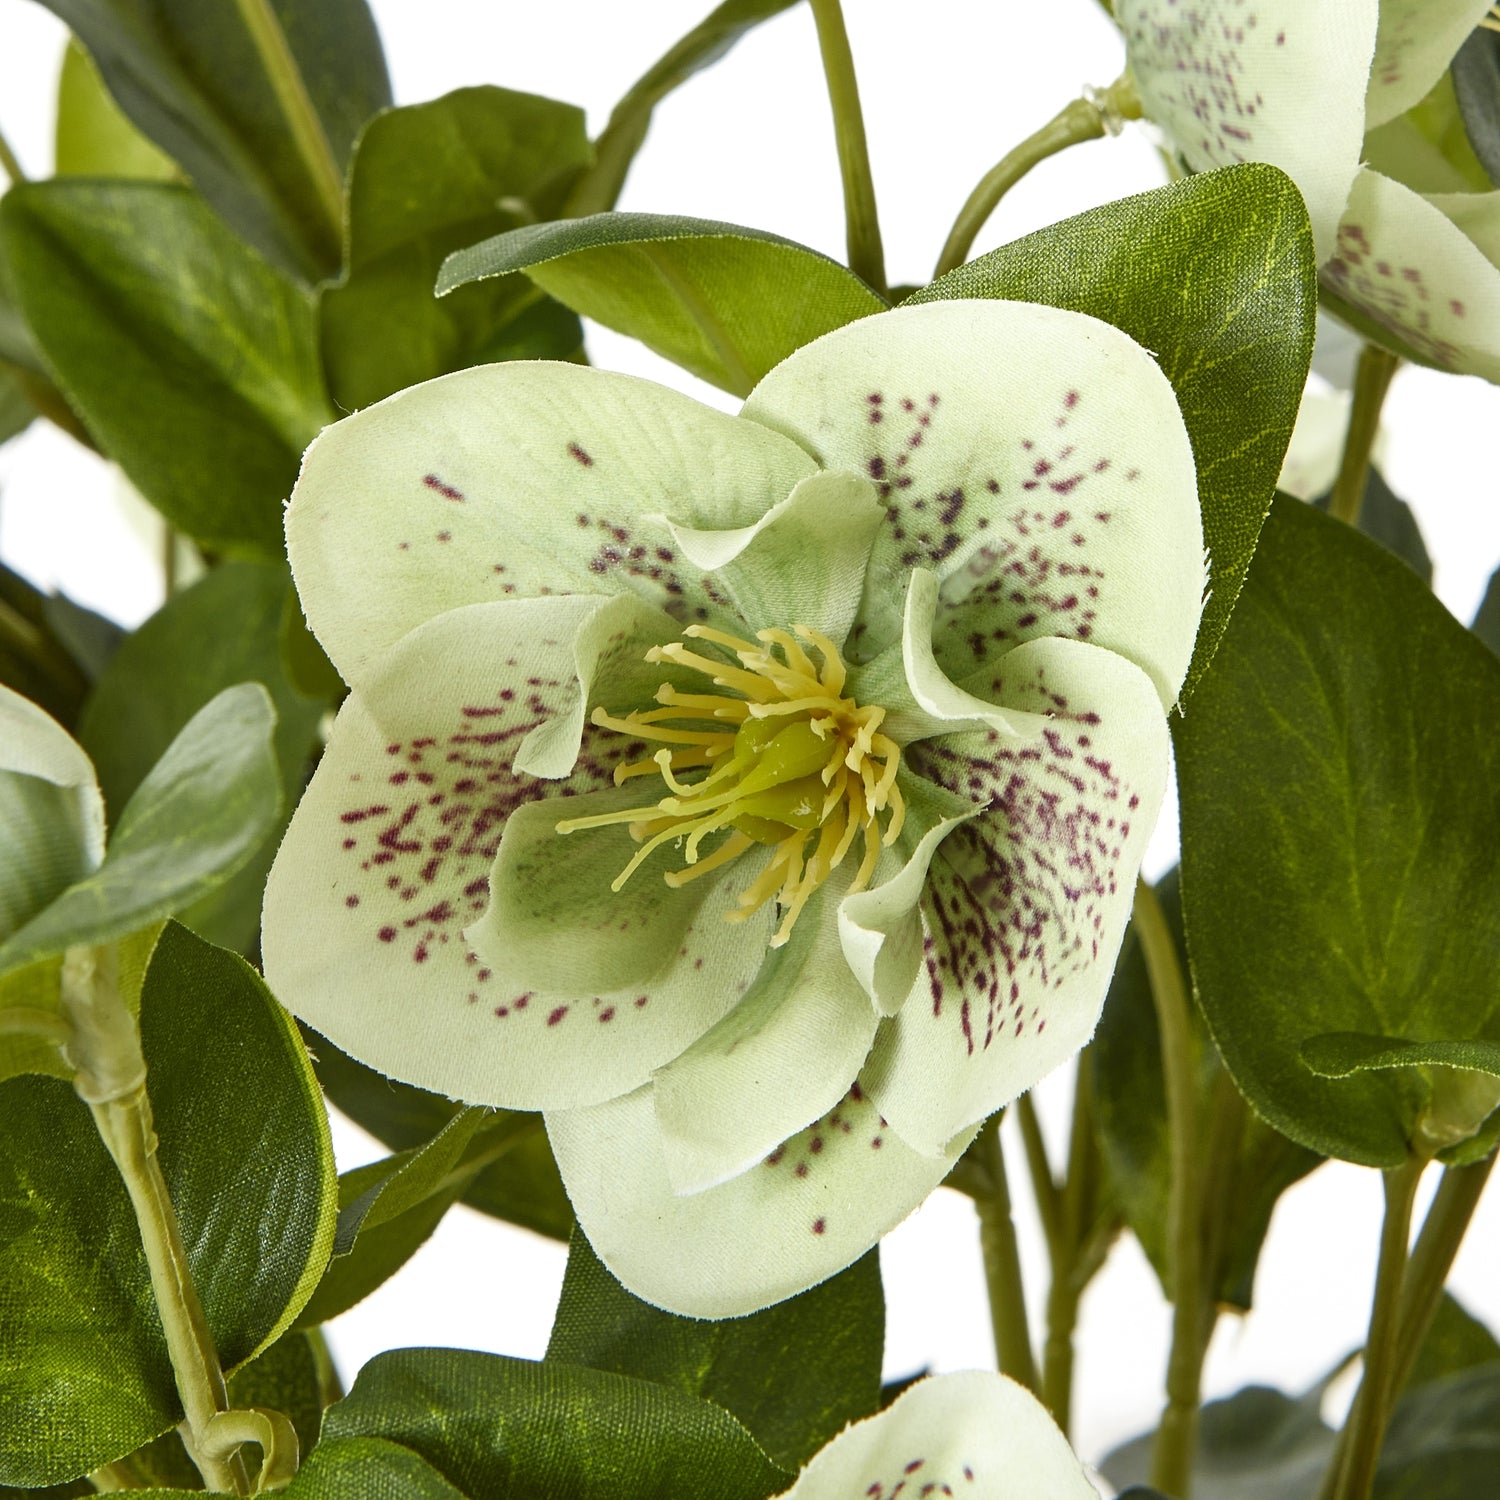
[
  {"x": 1391, "y": 522},
  {"x": 84, "y": 1374},
  {"x": 1476, "y": 81},
  {"x": 1455, "y": 1341},
  {"x": 795, "y": 1374},
  {"x": 497, "y": 1426},
  {"x": 34, "y": 660},
  {"x": 599, "y": 188},
  {"x": 1215, "y": 275},
  {"x": 1340, "y": 787},
  {"x": 1486, "y": 623},
  {"x": 291, "y": 1377},
  {"x": 193, "y": 361},
  {"x": 1339, "y": 1054},
  {"x": 427, "y": 180},
  {"x": 725, "y": 303},
  {"x": 1257, "y": 1164},
  {"x": 1443, "y": 1442},
  {"x": 522, "y": 1187},
  {"x": 94, "y": 137},
  {"x": 188, "y": 75},
  {"x": 15, "y": 409},
  {"x": 205, "y": 807},
  {"x": 225, "y": 629}
]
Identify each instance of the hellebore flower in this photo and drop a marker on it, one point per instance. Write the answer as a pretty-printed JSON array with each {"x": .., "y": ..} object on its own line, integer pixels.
[
  {"x": 1409, "y": 243},
  {"x": 977, "y": 1434},
  {"x": 759, "y": 796}
]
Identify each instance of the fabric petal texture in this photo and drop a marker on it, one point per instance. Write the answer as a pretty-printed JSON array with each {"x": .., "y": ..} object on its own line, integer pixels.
[
  {"x": 1415, "y": 45},
  {"x": 974, "y": 1434}
]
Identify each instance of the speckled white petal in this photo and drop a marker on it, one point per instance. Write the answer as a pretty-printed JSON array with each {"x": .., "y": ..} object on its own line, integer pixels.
[
  {"x": 1026, "y": 904},
  {"x": 51, "y": 813},
  {"x": 388, "y": 860},
  {"x": 803, "y": 563},
  {"x": 817, "y": 1203},
  {"x": 1034, "y": 459},
  {"x": 512, "y": 481},
  {"x": 1280, "y": 81},
  {"x": 971, "y": 1436},
  {"x": 1404, "y": 265},
  {"x": 1416, "y": 44}
]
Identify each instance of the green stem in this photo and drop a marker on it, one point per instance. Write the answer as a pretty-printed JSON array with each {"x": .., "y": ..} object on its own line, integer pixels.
[
  {"x": 1043, "y": 1184},
  {"x": 866, "y": 254},
  {"x": 1372, "y": 379},
  {"x": 1085, "y": 119},
  {"x": 1002, "y": 1264},
  {"x": 1177, "y": 1436},
  {"x": 1352, "y": 1473},
  {"x": 308, "y": 135},
  {"x": 8, "y": 163},
  {"x": 105, "y": 1050}
]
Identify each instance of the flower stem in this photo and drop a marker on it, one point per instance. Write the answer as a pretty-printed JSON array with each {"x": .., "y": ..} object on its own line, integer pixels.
[
  {"x": 1085, "y": 119},
  {"x": 866, "y": 254},
  {"x": 308, "y": 136},
  {"x": 1351, "y": 1476},
  {"x": 1002, "y": 1264},
  {"x": 8, "y": 163},
  {"x": 1177, "y": 1435},
  {"x": 1372, "y": 379},
  {"x": 105, "y": 1050}
]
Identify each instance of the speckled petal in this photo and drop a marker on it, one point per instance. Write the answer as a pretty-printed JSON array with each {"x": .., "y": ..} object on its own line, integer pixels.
[
  {"x": 816, "y": 1203},
  {"x": 388, "y": 860},
  {"x": 1416, "y": 43},
  {"x": 512, "y": 481},
  {"x": 971, "y": 1436},
  {"x": 1027, "y": 903},
  {"x": 1034, "y": 459},
  {"x": 1404, "y": 265},
  {"x": 1280, "y": 81}
]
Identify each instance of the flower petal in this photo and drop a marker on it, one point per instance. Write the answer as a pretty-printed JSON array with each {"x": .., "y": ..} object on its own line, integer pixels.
[
  {"x": 1312, "y": 457},
  {"x": 973, "y": 1434},
  {"x": 511, "y": 481},
  {"x": 802, "y": 563},
  {"x": 782, "y": 1058},
  {"x": 1416, "y": 44},
  {"x": 1410, "y": 273},
  {"x": 812, "y": 1207},
  {"x": 1477, "y": 215},
  {"x": 389, "y": 855},
  {"x": 1026, "y": 903},
  {"x": 1034, "y": 458},
  {"x": 1283, "y": 83}
]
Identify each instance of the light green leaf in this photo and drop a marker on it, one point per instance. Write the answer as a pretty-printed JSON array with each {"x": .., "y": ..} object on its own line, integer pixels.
[
  {"x": 1343, "y": 742},
  {"x": 1476, "y": 85},
  {"x": 201, "y": 812},
  {"x": 94, "y": 137},
  {"x": 724, "y": 302},
  {"x": 193, "y": 362},
  {"x": 84, "y": 1374},
  {"x": 1214, "y": 275},
  {"x": 190, "y": 78}
]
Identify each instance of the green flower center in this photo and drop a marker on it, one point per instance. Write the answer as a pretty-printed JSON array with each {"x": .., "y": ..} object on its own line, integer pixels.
[{"x": 786, "y": 761}]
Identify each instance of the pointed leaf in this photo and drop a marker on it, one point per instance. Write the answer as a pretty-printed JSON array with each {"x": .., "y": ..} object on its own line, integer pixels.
[{"x": 94, "y": 137}]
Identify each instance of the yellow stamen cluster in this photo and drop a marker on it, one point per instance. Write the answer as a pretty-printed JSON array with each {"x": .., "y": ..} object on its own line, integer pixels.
[{"x": 788, "y": 763}]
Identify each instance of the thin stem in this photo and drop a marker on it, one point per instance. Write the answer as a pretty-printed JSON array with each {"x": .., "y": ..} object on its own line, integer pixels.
[
  {"x": 1352, "y": 1474},
  {"x": 1043, "y": 1184},
  {"x": 1372, "y": 379},
  {"x": 8, "y": 163},
  {"x": 1177, "y": 1436},
  {"x": 307, "y": 132},
  {"x": 111, "y": 1078},
  {"x": 1002, "y": 1264},
  {"x": 1085, "y": 119},
  {"x": 866, "y": 254}
]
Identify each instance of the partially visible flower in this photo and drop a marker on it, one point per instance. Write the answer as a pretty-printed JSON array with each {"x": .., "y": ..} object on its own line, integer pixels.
[
  {"x": 758, "y": 796},
  {"x": 976, "y": 1435},
  {"x": 1312, "y": 457},
  {"x": 1409, "y": 243}
]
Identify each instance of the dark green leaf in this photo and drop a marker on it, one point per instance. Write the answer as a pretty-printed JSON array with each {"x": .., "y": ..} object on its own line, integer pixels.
[
  {"x": 495, "y": 1426},
  {"x": 1443, "y": 1442},
  {"x": 368, "y": 1469},
  {"x": 1339, "y": 1054},
  {"x": 1455, "y": 1341},
  {"x": 1476, "y": 80},
  {"x": 796, "y": 1374},
  {"x": 193, "y": 362},
  {"x": 189, "y": 77},
  {"x": 34, "y": 661},
  {"x": 599, "y": 188},
  {"x": 1340, "y": 788},
  {"x": 15, "y": 409},
  {"x": 1486, "y": 624},
  {"x": 1215, "y": 275},
  {"x": 1389, "y": 520},
  {"x": 723, "y": 302},
  {"x": 89, "y": 638},
  {"x": 204, "y": 808},
  {"x": 1254, "y": 1164},
  {"x": 428, "y": 180},
  {"x": 304, "y": 663},
  {"x": 84, "y": 1375},
  {"x": 94, "y": 137},
  {"x": 225, "y": 629}
]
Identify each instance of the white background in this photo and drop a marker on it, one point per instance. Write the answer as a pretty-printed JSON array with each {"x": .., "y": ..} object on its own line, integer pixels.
[{"x": 948, "y": 86}]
